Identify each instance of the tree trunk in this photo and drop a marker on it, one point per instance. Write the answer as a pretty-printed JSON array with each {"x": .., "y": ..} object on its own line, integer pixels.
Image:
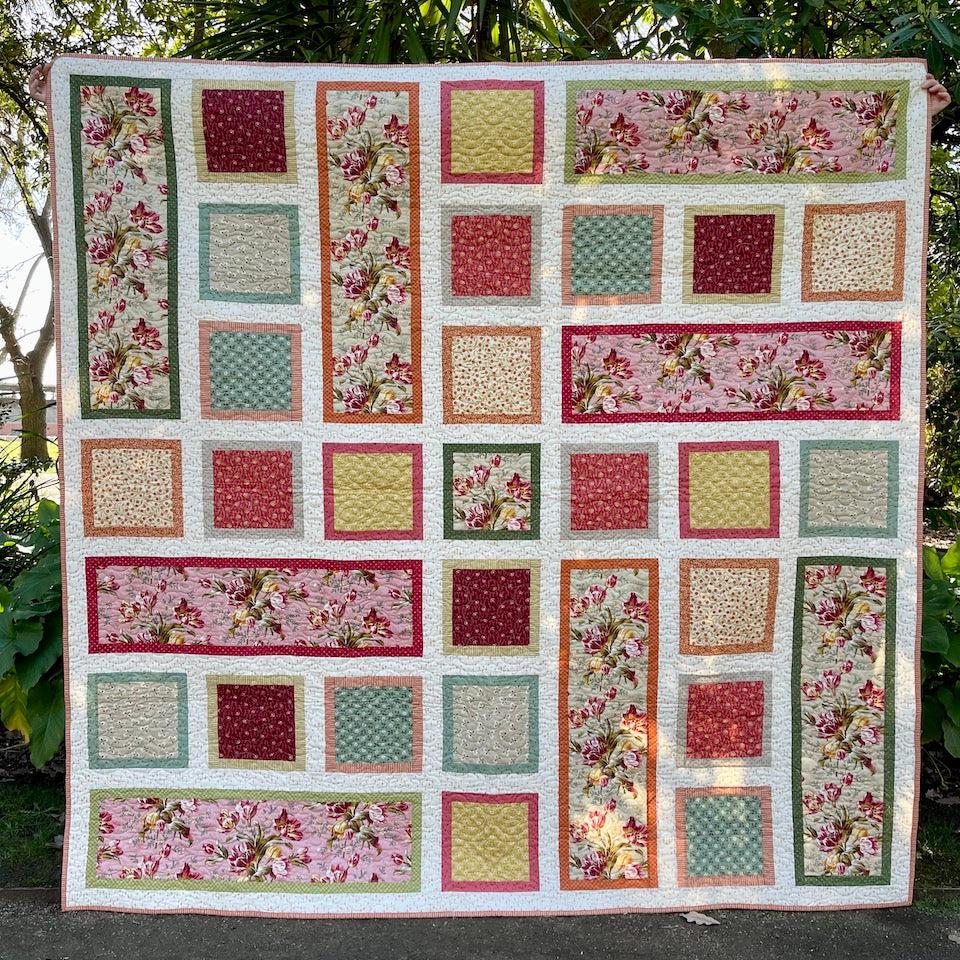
[{"x": 33, "y": 411}]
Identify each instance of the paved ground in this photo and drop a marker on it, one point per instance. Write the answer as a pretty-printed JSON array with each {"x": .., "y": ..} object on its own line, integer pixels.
[{"x": 31, "y": 930}]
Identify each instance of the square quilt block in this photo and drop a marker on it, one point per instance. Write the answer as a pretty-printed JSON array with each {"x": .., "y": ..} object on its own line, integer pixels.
[
  {"x": 137, "y": 720},
  {"x": 730, "y": 489},
  {"x": 491, "y": 491},
  {"x": 374, "y": 724},
  {"x": 491, "y": 607},
  {"x": 611, "y": 254},
  {"x": 732, "y": 254},
  {"x": 853, "y": 251},
  {"x": 849, "y": 488},
  {"x": 131, "y": 488},
  {"x": 490, "y": 842},
  {"x": 256, "y": 723},
  {"x": 250, "y": 371},
  {"x": 373, "y": 491},
  {"x": 252, "y": 489},
  {"x": 724, "y": 836},
  {"x": 609, "y": 491},
  {"x": 491, "y": 131},
  {"x": 244, "y": 133},
  {"x": 249, "y": 252},
  {"x": 491, "y": 724},
  {"x": 727, "y": 606},
  {"x": 724, "y": 720},
  {"x": 491, "y": 255},
  {"x": 491, "y": 374}
]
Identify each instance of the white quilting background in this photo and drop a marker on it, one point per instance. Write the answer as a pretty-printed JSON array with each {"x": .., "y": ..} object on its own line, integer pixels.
[{"x": 551, "y": 196}]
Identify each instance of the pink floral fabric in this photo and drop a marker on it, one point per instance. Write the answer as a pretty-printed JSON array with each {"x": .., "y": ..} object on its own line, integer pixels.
[
  {"x": 373, "y": 280},
  {"x": 703, "y": 131},
  {"x": 121, "y": 174},
  {"x": 491, "y": 491},
  {"x": 370, "y": 608},
  {"x": 645, "y": 372},
  {"x": 843, "y": 737},
  {"x": 190, "y": 840},
  {"x": 609, "y": 659}
]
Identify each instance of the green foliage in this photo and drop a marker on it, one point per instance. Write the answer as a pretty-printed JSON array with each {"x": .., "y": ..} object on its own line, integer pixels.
[
  {"x": 31, "y": 641},
  {"x": 940, "y": 646}
]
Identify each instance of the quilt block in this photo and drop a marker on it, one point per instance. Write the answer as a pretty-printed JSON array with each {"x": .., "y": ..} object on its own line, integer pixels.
[{"x": 490, "y": 489}]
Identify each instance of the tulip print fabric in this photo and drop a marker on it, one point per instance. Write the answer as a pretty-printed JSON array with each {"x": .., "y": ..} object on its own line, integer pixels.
[{"x": 490, "y": 489}]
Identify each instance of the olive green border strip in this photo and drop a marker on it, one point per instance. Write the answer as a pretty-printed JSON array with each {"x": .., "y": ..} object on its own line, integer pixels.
[
  {"x": 898, "y": 172},
  {"x": 889, "y": 723},
  {"x": 239, "y": 886},
  {"x": 172, "y": 412}
]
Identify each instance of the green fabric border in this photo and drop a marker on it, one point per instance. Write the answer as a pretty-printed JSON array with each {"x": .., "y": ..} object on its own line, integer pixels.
[
  {"x": 532, "y": 683},
  {"x": 291, "y": 211},
  {"x": 239, "y": 886},
  {"x": 889, "y": 724},
  {"x": 893, "y": 487},
  {"x": 449, "y": 449},
  {"x": 182, "y": 759},
  {"x": 173, "y": 355},
  {"x": 899, "y": 171}
]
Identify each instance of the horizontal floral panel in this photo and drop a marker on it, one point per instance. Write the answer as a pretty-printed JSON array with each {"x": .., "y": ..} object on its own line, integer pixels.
[
  {"x": 242, "y": 606},
  {"x": 648, "y": 131},
  {"x": 254, "y": 842},
  {"x": 790, "y": 371}
]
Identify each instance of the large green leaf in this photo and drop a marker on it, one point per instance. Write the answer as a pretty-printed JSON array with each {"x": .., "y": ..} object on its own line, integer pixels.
[
  {"x": 31, "y": 668},
  {"x": 934, "y": 637},
  {"x": 951, "y": 737},
  {"x": 13, "y": 706},
  {"x": 45, "y": 712},
  {"x": 931, "y": 564},
  {"x": 939, "y": 598},
  {"x": 950, "y": 563}
]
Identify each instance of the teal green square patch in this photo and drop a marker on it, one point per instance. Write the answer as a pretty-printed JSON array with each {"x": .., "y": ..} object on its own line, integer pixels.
[
  {"x": 611, "y": 255},
  {"x": 373, "y": 726},
  {"x": 250, "y": 371},
  {"x": 724, "y": 836}
]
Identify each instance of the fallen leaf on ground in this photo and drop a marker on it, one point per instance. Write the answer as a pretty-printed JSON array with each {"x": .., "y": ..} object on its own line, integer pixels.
[{"x": 701, "y": 919}]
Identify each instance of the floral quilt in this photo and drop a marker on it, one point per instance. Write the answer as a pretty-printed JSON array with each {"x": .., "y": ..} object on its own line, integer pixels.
[{"x": 492, "y": 488}]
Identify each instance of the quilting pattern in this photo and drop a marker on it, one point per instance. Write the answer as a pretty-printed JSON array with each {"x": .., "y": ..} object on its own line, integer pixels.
[{"x": 489, "y": 489}]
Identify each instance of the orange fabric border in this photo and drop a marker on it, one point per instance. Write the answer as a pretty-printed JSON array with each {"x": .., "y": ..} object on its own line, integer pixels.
[
  {"x": 897, "y": 207},
  {"x": 86, "y": 483},
  {"x": 563, "y": 811},
  {"x": 766, "y": 817},
  {"x": 416, "y": 412},
  {"x": 450, "y": 333},
  {"x": 686, "y": 566},
  {"x": 568, "y": 298}
]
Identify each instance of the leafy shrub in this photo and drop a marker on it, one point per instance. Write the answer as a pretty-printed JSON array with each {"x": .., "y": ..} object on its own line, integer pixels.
[{"x": 940, "y": 643}]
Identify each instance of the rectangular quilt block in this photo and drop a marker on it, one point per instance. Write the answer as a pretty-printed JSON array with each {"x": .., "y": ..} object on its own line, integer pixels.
[{"x": 489, "y": 489}]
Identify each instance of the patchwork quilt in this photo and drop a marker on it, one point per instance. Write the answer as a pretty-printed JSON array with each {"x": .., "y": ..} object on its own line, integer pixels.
[{"x": 490, "y": 489}]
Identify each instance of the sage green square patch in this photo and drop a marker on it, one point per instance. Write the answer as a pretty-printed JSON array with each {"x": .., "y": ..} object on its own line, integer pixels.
[
  {"x": 611, "y": 255},
  {"x": 250, "y": 371},
  {"x": 724, "y": 836},
  {"x": 373, "y": 725}
]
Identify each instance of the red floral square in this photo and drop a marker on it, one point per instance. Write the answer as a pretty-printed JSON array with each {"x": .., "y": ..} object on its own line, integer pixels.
[
  {"x": 491, "y": 607},
  {"x": 733, "y": 253},
  {"x": 244, "y": 131},
  {"x": 491, "y": 255},
  {"x": 609, "y": 491},
  {"x": 255, "y": 489},
  {"x": 725, "y": 719},
  {"x": 256, "y": 721}
]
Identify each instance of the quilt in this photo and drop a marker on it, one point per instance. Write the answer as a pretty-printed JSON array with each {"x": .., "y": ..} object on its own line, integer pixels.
[{"x": 490, "y": 489}]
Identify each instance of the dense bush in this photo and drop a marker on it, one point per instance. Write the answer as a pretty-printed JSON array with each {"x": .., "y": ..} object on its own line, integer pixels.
[{"x": 940, "y": 664}]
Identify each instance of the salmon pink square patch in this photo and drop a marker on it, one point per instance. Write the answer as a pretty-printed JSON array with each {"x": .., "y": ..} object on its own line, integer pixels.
[
  {"x": 725, "y": 721},
  {"x": 253, "y": 489}
]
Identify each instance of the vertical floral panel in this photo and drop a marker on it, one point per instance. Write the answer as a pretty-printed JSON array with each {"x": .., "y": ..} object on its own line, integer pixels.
[
  {"x": 124, "y": 182},
  {"x": 843, "y": 722},
  {"x": 369, "y": 173},
  {"x": 228, "y": 842},
  {"x": 607, "y": 750}
]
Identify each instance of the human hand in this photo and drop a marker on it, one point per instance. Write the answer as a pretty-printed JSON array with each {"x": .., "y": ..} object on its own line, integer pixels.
[
  {"x": 38, "y": 83},
  {"x": 937, "y": 92}
]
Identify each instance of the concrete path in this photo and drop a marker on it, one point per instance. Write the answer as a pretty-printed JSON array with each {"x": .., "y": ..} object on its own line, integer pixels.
[{"x": 32, "y": 930}]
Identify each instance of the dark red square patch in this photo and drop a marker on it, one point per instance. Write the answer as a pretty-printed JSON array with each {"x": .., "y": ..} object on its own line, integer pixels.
[
  {"x": 243, "y": 131},
  {"x": 725, "y": 719},
  {"x": 253, "y": 489},
  {"x": 733, "y": 253},
  {"x": 491, "y": 607},
  {"x": 491, "y": 255},
  {"x": 609, "y": 491},
  {"x": 256, "y": 721}
]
